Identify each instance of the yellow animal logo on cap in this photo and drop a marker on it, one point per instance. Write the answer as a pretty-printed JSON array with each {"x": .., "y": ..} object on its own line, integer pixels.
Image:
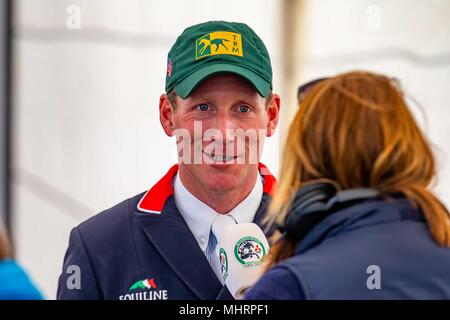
[{"x": 219, "y": 42}]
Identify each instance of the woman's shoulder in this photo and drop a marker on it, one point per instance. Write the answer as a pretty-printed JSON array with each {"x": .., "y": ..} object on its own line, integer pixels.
[
  {"x": 279, "y": 283},
  {"x": 15, "y": 283}
]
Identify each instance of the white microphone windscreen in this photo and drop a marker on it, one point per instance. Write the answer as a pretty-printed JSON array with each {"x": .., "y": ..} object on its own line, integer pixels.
[{"x": 241, "y": 252}]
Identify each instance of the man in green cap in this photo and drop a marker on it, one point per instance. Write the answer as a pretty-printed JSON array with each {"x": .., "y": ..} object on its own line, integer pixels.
[{"x": 162, "y": 244}]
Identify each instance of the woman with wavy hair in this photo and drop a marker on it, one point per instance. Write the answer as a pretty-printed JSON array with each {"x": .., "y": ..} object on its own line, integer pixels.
[{"x": 356, "y": 215}]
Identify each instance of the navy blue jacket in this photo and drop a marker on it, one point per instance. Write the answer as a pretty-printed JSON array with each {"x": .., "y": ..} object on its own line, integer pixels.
[
  {"x": 339, "y": 257},
  {"x": 142, "y": 249}
]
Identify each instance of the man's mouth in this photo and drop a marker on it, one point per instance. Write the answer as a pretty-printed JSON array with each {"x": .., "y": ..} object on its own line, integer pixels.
[{"x": 220, "y": 158}]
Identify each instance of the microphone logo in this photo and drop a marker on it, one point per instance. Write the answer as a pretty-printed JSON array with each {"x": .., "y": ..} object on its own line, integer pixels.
[
  {"x": 249, "y": 251},
  {"x": 223, "y": 263}
]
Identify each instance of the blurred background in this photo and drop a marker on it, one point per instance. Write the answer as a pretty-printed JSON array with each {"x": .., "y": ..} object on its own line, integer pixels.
[{"x": 80, "y": 82}]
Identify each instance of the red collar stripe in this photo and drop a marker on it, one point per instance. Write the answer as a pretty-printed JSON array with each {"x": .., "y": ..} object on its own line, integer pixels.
[
  {"x": 269, "y": 179},
  {"x": 154, "y": 199}
]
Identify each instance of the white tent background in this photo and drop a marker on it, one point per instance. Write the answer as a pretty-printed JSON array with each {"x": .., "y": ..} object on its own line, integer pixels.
[{"x": 85, "y": 101}]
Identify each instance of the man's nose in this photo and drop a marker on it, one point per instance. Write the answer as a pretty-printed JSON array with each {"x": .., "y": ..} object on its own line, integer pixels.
[{"x": 226, "y": 125}]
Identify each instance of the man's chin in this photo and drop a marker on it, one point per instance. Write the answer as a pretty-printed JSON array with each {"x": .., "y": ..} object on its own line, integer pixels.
[
  {"x": 219, "y": 177},
  {"x": 220, "y": 187}
]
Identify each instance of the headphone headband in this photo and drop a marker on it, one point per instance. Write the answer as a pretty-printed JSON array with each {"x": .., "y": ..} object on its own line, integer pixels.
[
  {"x": 352, "y": 195},
  {"x": 314, "y": 202}
]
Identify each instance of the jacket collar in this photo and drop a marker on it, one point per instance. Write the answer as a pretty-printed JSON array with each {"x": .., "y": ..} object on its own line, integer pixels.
[
  {"x": 181, "y": 252},
  {"x": 172, "y": 238},
  {"x": 170, "y": 235},
  {"x": 364, "y": 214},
  {"x": 154, "y": 199}
]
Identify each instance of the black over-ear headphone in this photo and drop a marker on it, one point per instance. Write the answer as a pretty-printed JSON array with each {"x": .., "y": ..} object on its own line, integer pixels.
[{"x": 314, "y": 202}]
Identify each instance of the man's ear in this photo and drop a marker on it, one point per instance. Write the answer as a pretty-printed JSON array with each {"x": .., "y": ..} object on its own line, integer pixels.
[
  {"x": 166, "y": 114},
  {"x": 273, "y": 112}
]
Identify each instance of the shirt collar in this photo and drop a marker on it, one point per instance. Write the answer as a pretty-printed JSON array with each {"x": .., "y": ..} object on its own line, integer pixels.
[
  {"x": 154, "y": 199},
  {"x": 199, "y": 216}
]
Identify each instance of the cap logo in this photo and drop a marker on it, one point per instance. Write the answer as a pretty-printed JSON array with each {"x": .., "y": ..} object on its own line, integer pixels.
[{"x": 219, "y": 42}]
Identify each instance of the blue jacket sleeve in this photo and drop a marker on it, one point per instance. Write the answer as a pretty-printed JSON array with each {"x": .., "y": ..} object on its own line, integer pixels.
[
  {"x": 277, "y": 284},
  {"x": 78, "y": 279}
]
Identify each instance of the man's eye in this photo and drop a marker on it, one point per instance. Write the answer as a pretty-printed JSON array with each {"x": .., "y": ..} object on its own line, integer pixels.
[
  {"x": 202, "y": 107},
  {"x": 244, "y": 108}
]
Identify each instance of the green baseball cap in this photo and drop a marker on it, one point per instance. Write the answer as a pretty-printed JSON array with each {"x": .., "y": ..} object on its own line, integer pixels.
[{"x": 214, "y": 47}]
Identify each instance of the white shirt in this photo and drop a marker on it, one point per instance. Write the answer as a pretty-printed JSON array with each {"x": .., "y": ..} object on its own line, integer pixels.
[{"x": 199, "y": 216}]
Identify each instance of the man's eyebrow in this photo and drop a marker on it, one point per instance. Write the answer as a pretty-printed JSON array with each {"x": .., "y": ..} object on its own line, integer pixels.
[
  {"x": 240, "y": 101},
  {"x": 210, "y": 100},
  {"x": 206, "y": 99}
]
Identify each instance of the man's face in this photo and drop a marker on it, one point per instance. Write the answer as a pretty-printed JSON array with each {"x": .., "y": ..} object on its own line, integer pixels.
[{"x": 226, "y": 121}]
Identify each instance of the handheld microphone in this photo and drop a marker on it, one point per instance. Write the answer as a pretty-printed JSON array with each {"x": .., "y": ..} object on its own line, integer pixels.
[{"x": 241, "y": 251}]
